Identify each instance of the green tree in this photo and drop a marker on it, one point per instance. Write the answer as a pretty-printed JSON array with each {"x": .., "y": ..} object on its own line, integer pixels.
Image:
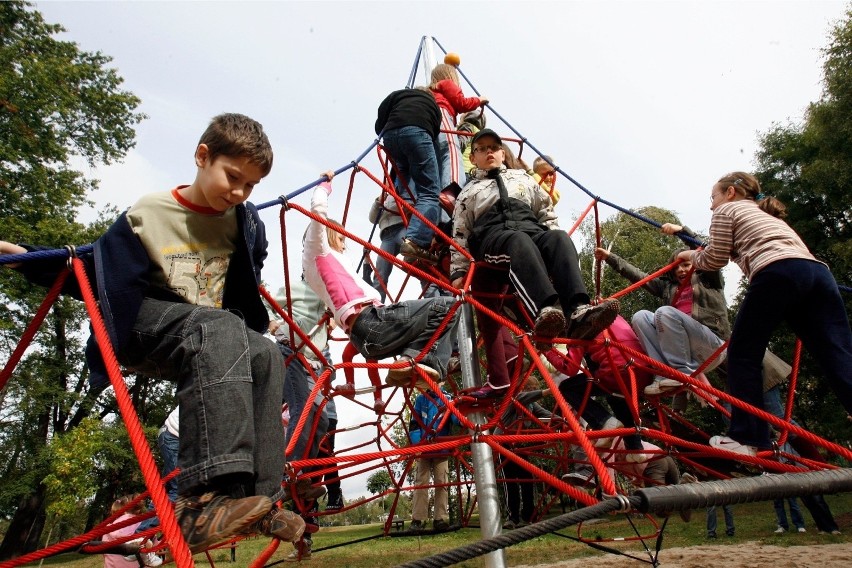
[
  {"x": 378, "y": 482},
  {"x": 808, "y": 166},
  {"x": 636, "y": 241},
  {"x": 58, "y": 105}
]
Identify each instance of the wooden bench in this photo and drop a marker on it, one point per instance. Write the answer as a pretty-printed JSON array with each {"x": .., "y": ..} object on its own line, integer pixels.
[{"x": 398, "y": 524}]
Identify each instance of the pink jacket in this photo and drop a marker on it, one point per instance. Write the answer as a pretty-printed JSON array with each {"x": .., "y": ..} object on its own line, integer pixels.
[
  {"x": 620, "y": 332},
  {"x": 329, "y": 273}
]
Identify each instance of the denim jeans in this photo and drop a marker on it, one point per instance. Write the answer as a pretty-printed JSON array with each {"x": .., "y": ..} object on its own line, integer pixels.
[
  {"x": 229, "y": 383},
  {"x": 391, "y": 241},
  {"x": 298, "y": 384},
  {"x": 711, "y": 520},
  {"x": 168, "y": 444},
  {"x": 795, "y": 513},
  {"x": 675, "y": 338},
  {"x": 404, "y": 329},
  {"x": 804, "y": 294},
  {"x": 415, "y": 153}
]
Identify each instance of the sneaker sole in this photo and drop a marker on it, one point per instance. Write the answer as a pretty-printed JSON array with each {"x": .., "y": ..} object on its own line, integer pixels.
[
  {"x": 408, "y": 377},
  {"x": 595, "y": 322},
  {"x": 549, "y": 325}
]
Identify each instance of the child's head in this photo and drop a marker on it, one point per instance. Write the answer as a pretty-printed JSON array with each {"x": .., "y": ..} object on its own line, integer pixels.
[
  {"x": 442, "y": 72},
  {"x": 122, "y": 502},
  {"x": 336, "y": 240},
  {"x": 681, "y": 270},
  {"x": 474, "y": 117},
  {"x": 746, "y": 186},
  {"x": 541, "y": 166},
  {"x": 238, "y": 136}
]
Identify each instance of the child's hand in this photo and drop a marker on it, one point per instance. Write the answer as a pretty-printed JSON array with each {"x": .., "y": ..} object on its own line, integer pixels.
[
  {"x": 601, "y": 254},
  {"x": 483, "y": 101},
  {"x": 686, "y": 255},
  {"x": 11, "y": 248},
  {"x": 329, "y": 174},
  {"x": 671, "y": 228}
]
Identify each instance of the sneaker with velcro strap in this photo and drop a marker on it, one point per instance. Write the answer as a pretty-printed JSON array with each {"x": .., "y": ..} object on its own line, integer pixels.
[{"x": 212, "y": 518}]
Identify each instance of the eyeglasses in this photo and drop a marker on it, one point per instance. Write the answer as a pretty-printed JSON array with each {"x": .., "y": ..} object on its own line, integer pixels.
[{"x": 488, "y": 148}]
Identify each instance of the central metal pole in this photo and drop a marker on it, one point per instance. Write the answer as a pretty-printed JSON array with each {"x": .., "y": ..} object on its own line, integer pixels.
[{"x": 485, "y": 478}]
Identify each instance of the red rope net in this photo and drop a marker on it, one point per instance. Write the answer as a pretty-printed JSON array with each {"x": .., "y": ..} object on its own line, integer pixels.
[{"x": 546, "y": 451}]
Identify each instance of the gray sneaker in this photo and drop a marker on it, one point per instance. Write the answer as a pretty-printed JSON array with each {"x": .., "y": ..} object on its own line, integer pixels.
[{"x": 587, "y": 321}]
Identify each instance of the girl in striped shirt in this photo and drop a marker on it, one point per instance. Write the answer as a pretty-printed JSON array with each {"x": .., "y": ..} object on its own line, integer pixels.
[{"x": 786, "y": 283}]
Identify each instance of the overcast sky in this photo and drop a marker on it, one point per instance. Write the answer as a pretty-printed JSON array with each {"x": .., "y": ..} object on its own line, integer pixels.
[{"x": 644, "y": 103}]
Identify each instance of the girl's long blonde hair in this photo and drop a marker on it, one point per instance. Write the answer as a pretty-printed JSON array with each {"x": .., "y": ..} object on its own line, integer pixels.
[{"x": 442, "y": 72}]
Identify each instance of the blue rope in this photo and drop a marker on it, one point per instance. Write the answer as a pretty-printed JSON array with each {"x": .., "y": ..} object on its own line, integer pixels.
[{"x": 43, "y": 254}]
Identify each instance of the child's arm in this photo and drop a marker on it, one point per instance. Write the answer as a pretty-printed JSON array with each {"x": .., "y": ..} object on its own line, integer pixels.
[
  {"x": 456, "y": 98},
  {"x": 11, "y": 248},
  {"x": 316, "y": 238},
  {"x": 721, "y": 245}
]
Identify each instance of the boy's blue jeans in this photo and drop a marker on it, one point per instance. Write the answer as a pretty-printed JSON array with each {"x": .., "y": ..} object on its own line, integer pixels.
[
  {"x": 404, "y": 329},
  {"x": 229, "y": 384}
]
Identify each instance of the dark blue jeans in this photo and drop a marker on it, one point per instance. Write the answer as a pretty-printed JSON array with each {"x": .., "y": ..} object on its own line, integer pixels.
[
  {"x": 229, "y": 383},
  {"x": 795, "y": 513},
  {"x": 804, "y": 294},
  {"x": 169, "y": 445},
  {"x": 298, "y": 385},
  {"x": 415, "y": 153},
  {"x": 404, "y": 329},
  {"x": 711, "y": 520}
]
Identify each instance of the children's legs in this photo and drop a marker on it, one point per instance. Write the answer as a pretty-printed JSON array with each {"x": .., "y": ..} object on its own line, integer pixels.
[
  {"x": 819, "y": 318},
  {"x": 230, "y": 381},
  {"x": 780, "y": 513},
  {"x": 448, "y": 152},
  {"x": 391, "y": 241},
  {"x": 711, "y": 520},
  {"x": 685, "y": 343},
  {"x": 420, "y": 499},
  {"x": 496, "y": 338},
  {"x": 527, "y": 269},
  {"x": 796, "y": 513},
  {"x": 764, "y": 305},
  {"x": 574, "y": 391},
  {"x": 440, "y": 473},
  {"x": 563, "y": 265},
  {"x": 419, "y": 149},
  {"x": 729, "y": 519},
  {"x": 404, "y": 329},
  {"x": 645, "y": 326}
]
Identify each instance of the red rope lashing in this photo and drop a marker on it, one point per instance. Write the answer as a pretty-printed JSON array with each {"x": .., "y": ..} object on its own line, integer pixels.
[
  {"x": 32, "y": 328},
  {"x": 150, "y": 471}
]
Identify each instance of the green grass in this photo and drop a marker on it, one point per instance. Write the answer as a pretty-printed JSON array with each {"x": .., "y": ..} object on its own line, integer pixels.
[{"x": 754, "y": 522}]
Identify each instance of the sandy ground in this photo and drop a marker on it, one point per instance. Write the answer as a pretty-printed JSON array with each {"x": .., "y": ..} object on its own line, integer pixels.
[{"x": 746, "y": 555}]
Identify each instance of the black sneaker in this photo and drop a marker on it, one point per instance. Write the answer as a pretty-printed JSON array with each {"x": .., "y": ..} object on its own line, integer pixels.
[
  {"x": 211, "y": 518},
  {"x": 335, "y": 503},
  {"x": 411, "y": 251},
  {"x": 587, "y": 321},
  {"x": 282, "y": 524},
  {"x": 440, "y": 525},
  {"x": 416, "y": 526}
]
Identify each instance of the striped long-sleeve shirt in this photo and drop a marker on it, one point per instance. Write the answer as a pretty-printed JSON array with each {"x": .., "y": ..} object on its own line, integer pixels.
[{"x": 742, "y": 232}]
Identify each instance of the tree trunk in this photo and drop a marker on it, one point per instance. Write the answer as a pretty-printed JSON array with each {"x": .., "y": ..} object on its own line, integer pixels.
[{"x": 24, "y": 533}]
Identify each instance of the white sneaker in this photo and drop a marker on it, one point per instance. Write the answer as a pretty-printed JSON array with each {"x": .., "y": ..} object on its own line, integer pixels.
[
  {"x": 653, "y": 389},
  {"x": 717, "y": 361},
  {"x": 731, "y": 445},
  {"x": 669, "y": 384},
  {"x": 801, "y": 529},
  {"x": 780, "y": 530},
  {"x": 611, "y": 424},
  {"x": 637, "y": 457}
]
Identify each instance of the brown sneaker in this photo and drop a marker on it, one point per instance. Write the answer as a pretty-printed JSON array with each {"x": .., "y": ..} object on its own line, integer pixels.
[
  {"x": 411, "y": 251},
  {"x": 211, "y": 518},
  {"x": 281, "y": 524},
  {"x": 408, "y": 377},
  {"x": 549, "y": 323},
  {"x": 588, "y": 321},
  {"x": 306, "y": 490}
]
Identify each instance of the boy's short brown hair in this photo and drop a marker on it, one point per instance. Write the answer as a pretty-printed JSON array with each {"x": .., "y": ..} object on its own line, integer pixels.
[{"x": 238, "y": 136}]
